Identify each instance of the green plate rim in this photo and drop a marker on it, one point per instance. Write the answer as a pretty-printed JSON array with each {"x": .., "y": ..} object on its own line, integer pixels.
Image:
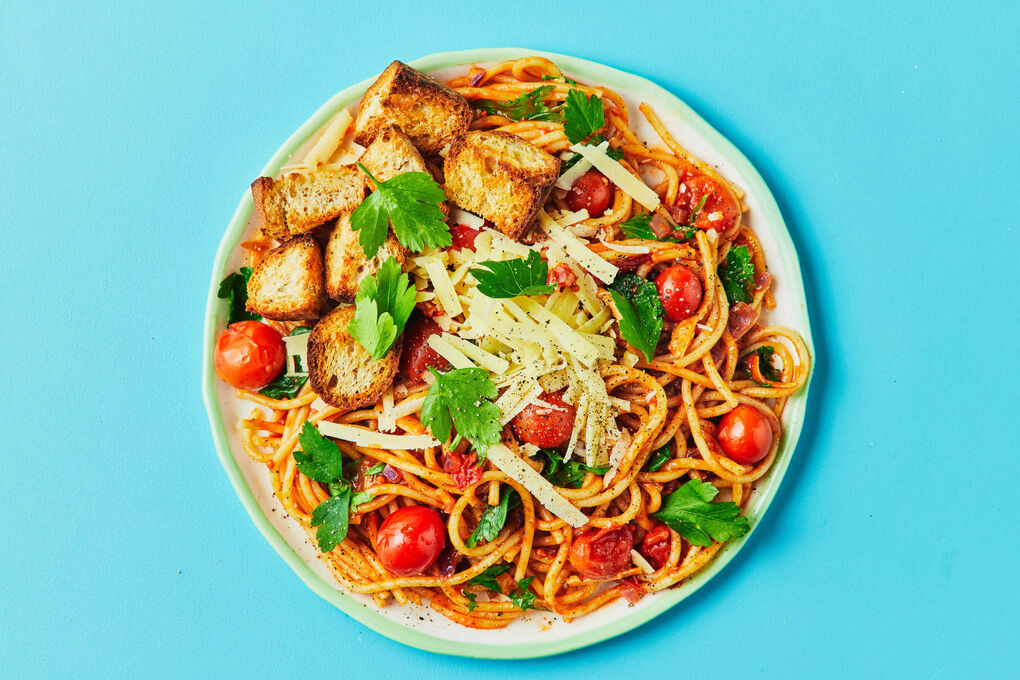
[{"x": 794, "y": 415}]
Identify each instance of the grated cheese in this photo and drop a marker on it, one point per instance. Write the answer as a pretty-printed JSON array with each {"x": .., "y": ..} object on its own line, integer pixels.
[
  {"x": 441, "y": 283},
  {"x": 330, "y": 139},
  {"x": 444, "y": 349},
  {"x": 640, "y": 562},
  {"x": 458, "y": 216},
  {"x": 486, "y": 360},
  {"x": 577, "y": 249}
]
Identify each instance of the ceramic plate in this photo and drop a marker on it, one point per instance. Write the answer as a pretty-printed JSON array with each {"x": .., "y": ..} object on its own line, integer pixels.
[{"x": 537, "y": 634}]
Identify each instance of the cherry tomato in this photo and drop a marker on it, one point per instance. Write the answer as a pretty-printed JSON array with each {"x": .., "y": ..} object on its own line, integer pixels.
[
  {"x": 592, "y": 192},
  {"x": 602, "y": 553},
  {"x": 655, "y": 546},
  {"x": 745, "y": 435},
  {"x": 719, "y": 211},
  {"x": 545, "y": 427},
  {"x": 680, "y": 292},
  {"x": 464, "y": 236},
  {"x": 249, "y": 354},
  {"x": 410, "y": 540},
  {"x": 416, "y": 355}
]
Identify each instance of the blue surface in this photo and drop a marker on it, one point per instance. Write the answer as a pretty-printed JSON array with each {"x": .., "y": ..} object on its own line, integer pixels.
[{"x": 889, "y": 137}]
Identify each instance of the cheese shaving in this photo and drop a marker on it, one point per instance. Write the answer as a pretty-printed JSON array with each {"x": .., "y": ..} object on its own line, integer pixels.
[
  {"x": 525, "y": 475},
  {"x": 378, "y": 440},
  {"x": 619, "y": 175}
]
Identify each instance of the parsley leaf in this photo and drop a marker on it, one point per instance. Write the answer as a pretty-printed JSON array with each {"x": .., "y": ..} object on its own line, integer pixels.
[
  {"x": 234, "y": 288},
  {"x": 493, "y": 519},
  {"x": 462, "y": 398},
  {"x": 410, "y": 201},
  {"x": 658, "y": 459},
  {"x": 567, "y": 474},
  {"x": 376, "y": 469},
  {"x": 359, "y": 498},
  {"x": 284, "y": 387},
  {"x": 319, "y": 458},
  {"x": 383, "y": 305},
  {"x": 523, "y": 598},
  {"x": 736, "y": 274},
  {"x": 640, "y": 226},
  {"x": 640, "y": 310},
  {"x": 690, "y": 512},
  {"x": 514, "y": 277},
  {"x": 582, "y": 115},
  {"x": 332, "y": 516},
  {"x": 565, "y": 79},
  {"x": 528, "y": 106},
  {"x": 765, "y": 367},
  {"x": 471, "y": 600},
  {"x": 487, "y": 579}
]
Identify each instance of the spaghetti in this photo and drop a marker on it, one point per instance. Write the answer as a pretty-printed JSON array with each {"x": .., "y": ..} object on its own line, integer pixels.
[{"x": 708, "y": 364}]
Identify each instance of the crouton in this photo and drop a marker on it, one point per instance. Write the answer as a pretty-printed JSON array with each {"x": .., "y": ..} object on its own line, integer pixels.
[
  {"x": 346, "y": 264},
  {"x": 299, "y": 202},
  {"x": 289, "y": 283},
  {"x": 391, "y": 153},
  {"x": 340, "y": 370},
  {"x": 501, "y": 177},
  {"x": 430, "y": 113}
]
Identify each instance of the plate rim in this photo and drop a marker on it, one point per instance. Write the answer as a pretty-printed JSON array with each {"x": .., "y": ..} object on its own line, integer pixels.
[{"x": 368, "y": 616}]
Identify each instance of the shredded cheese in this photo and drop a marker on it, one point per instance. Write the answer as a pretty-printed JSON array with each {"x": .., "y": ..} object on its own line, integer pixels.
[
  {"x": 525, "y": 475},
  {"x": 297, "y": 346},
  {"x": 444, "y": 349},
  {"x": 640, "y": 562},
  {"x": 458, "y": 216}
]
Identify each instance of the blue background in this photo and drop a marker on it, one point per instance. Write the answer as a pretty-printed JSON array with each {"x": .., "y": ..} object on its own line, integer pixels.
[{"x": 889, "y": 136}]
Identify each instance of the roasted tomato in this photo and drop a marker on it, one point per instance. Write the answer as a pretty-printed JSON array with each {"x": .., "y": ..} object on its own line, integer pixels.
[
  {"x": 655, "y": 546},
  {"x": 464, "y": 236},
  {"x": 249, "y": 354},
  {"x": 592, "y": 192},
  {"x": 719, "y": 211},
  {"x": 680, "y": 292},
  {"x": 602, "y": 553},
  {"x": 462, "y": 468},
  {"x": 416, "y": 355},
  {"x": 546, "y": 427},
  {"x": 745, "y": 435},
  {"x": 562, "y": 276},
  {"x": 410, "y": 540}
]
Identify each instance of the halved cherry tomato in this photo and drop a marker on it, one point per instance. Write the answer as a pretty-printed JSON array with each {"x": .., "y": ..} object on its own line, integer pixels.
[
  {"x": 249, "y": 354},
  {"x": 719, "y": 211},
  {"x": 417, "y": 356},
  {"x": 545, "y": 427},
  {"x": 655, "y": 546},
  {"x": 464, "y": 236},
  {"x": 745, "y": 435},
  {"x": 602, "y": 553},
  {"x": 410, "y": 540},
  {"x": 680, "y": 292},
  {"x": 592, "y": 192}
]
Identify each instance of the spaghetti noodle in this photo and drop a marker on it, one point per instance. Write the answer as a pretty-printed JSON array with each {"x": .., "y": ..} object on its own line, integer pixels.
[{"x": 708, "y": 365}]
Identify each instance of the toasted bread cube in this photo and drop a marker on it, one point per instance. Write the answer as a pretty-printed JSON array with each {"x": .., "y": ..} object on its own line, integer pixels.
[
  {"x": 346, "y": 264},
  {"x": 289, "y": 283},
  {"x": 501, "y": 177},
  {"x": 430, "y": 113},
  {"x": 299, "y": 202},
  {"x": 390, "y": 154},
  {"x": 340, "y": 370}
]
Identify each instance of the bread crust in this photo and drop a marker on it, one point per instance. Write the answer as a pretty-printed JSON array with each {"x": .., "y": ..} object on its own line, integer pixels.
[
  {"x": 340, "y": 370},
  {"x": 483, "y": 177},
  {"x": 278, "y": 265},
  {"x": 429, "y": 112}
]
